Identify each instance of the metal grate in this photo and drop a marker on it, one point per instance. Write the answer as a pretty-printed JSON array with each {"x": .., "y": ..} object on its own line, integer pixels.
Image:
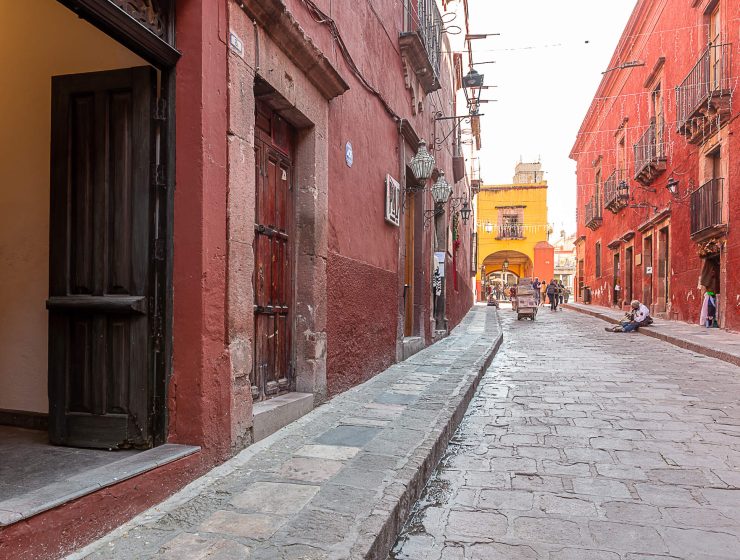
[
  {"x": 614, "y": 195},
  {"x": 429, "y": 28},
  {"x": 650, "y": 148},
  {"x": 709, "y": 77},
  {"x": 706, "y": 206}
]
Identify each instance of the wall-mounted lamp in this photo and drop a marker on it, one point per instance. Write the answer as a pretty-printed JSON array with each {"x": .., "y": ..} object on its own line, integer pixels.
[
  {"x": 441, "y": 190},
  {"x": 505, "y": 266},
  {"x": 672, "y": 186},
  {"x": 472, "y": 84},
  {"x": 422, "y": 163},
  {"x": 465, "y": 212},
  {"x": 623, "y": 191}
]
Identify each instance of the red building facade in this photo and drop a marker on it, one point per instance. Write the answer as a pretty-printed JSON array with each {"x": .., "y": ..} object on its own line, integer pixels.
[
  {"x": 272, "y": 247},
  {"x": 657, "y": 165}
]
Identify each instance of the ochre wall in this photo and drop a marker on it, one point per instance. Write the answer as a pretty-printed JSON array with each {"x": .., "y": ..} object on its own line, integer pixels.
[
  {"x": 534, "y": 199},
  {"x": 38, "y": 40}
]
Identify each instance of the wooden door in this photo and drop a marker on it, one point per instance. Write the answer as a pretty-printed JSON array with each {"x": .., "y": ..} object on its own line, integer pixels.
[
  {"x": 628, "y": 272},
  {"x": 663, "y": 271},
  {"x": 409, "y": 268},
  {"x": 272, "y": 371},
  {"x": 617, "y": 288},
  {"x": 101, "y": 237},
  {"x": 647, "y": 263}
]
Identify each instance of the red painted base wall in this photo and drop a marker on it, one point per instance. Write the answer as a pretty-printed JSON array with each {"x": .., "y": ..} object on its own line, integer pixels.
[
  {"x": 57, "y": 532},
  {"x": 361, "y": 322}
]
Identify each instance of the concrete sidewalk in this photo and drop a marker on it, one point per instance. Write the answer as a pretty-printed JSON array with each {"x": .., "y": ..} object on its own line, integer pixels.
[
  {"x": 715, "y": 343},
  {"x": 337, "y": 484}
]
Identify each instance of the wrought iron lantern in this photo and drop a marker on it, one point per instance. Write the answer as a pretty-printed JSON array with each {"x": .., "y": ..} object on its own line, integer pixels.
[
  {"x": 672, "y": 186},
  {"x": 623, "y": 191},
  {"x": 465, "y": 212},
  {"x": 505, "y": 266},
  {"x": 422, "y": 163},
  {"x": 441, "y": 190},
  {"x": 473, "y": 85}
]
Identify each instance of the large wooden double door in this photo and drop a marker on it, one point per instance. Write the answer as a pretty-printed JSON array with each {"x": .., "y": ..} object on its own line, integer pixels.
[
  {"x": 272, "y": 371},
  {"x": 105, "y": 285}
]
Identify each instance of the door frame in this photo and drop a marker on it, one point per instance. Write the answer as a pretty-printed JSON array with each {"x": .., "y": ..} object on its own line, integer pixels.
[{"x": 161, "y": 53}]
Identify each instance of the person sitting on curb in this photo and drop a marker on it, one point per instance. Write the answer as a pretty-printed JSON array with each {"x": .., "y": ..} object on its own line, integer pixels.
[{"x": 640, "y": 317}]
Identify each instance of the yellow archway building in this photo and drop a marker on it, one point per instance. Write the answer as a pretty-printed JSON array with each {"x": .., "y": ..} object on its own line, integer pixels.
[{"x": 513, "y": 229}]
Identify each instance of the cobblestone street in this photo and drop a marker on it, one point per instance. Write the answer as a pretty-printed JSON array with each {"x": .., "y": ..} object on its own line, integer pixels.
[{"x": 588, "y": 445}]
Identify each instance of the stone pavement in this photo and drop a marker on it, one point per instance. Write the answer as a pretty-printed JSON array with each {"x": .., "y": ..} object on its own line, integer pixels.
[
  {"x": 587, "y": 445},
  {"x": 716, "y": 343},
  {"x": 338, "y": 483}
]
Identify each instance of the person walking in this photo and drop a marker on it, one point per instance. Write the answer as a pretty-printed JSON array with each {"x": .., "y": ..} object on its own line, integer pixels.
[
  {"x": 536, "y": 288},
  {"x": 543, "y": 292},
  {"x": 552, "y": 294},
  {"x": 561, "y": 292}
]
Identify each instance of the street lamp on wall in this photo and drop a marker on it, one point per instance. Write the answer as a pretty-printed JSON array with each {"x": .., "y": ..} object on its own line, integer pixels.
[
  {"x": 472, "y": 85},
  {"x": 422, "y": 163},
  {"x": 505, "y": 265},
  {"x": 465, "y": 212},
  {"x": 441, "y": 190},
  {"x": 672, "y": 186}
]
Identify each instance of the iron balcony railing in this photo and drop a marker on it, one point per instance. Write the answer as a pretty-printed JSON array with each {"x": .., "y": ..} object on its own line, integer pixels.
[
  {"x": 709, "y": 77},
  {"x": 650, "y": 148},
  {"x": 510, "y": 231},
  {"x": 424, "y": 18},
  {"x": 592, "y": 214},
  {"x": 706, "y": 206},
  {"x": 616, "y": 194}
]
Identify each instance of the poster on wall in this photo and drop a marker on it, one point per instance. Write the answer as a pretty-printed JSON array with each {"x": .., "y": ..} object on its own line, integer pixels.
[
  {"x": 392, "y": 201},
  {"x": 439, "y": 257}
]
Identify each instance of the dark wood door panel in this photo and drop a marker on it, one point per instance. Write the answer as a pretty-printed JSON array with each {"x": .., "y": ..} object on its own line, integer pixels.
[
  {"x": 272, "y": 369},
  {"x": 101, "y": 238}
]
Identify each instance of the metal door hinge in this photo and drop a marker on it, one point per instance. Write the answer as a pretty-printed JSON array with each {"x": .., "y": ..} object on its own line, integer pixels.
[
  {"x": 159, "y": 175},
  {"x": 160, "y": 110}
]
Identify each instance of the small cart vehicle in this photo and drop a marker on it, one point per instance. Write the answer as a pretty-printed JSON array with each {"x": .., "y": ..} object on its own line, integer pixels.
[{"x": 526, "y": 302}]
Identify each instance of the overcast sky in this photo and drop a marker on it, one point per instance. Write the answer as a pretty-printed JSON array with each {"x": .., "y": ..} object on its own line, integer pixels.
[{"x": 545, "y": 85}]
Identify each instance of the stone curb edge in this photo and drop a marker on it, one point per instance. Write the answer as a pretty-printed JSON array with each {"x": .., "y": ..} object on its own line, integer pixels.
[
  {"x": 649, "y": 331},
  {"x": 382, "y": 545}
]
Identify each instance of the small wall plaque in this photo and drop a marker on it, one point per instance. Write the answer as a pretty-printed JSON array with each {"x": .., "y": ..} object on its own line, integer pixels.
[
  {"x": 392, "y": 201},
  {"x": 349, "y": 155},
  {"x": 236, "y": 43}
]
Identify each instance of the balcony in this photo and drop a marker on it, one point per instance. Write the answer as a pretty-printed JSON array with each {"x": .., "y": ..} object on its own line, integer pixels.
[
  {"x": 703, "y": 100},
  {"x": 616, "y": 192},
  {"x": 421, "y": 45},
  {"x": 706, "y": 210},
  {"x": 650, "y": 158},
  {"x": 510, "y": 231},
  {"x": 592, "y": 214}
]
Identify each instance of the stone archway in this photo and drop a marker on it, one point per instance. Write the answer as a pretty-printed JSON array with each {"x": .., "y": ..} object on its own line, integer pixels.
[{"x": 517, "y": 265}]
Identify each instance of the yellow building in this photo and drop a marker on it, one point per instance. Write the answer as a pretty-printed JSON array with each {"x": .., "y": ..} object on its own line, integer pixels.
[{"x": 513, "y": 230}]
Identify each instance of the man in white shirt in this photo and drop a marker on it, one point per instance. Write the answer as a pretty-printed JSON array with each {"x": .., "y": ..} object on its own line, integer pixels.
[{"x": 640, "y": 318}]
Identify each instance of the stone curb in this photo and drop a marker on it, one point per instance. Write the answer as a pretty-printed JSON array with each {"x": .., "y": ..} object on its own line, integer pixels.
[
  {"x": 651, "y": 332},
  {"x": 383, "y": 543}
]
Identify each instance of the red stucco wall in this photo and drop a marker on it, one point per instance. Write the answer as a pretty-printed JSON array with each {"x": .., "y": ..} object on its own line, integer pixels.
[
  {"x": 676, "y": 31},
  {"x": 544, "y": 261},
  {"x": 363, "y": 284},
  {"x": 361, "y": 322}
]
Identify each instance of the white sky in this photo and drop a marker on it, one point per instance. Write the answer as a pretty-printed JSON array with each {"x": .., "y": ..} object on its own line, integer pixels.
[{"x": 544, "y": 92}]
